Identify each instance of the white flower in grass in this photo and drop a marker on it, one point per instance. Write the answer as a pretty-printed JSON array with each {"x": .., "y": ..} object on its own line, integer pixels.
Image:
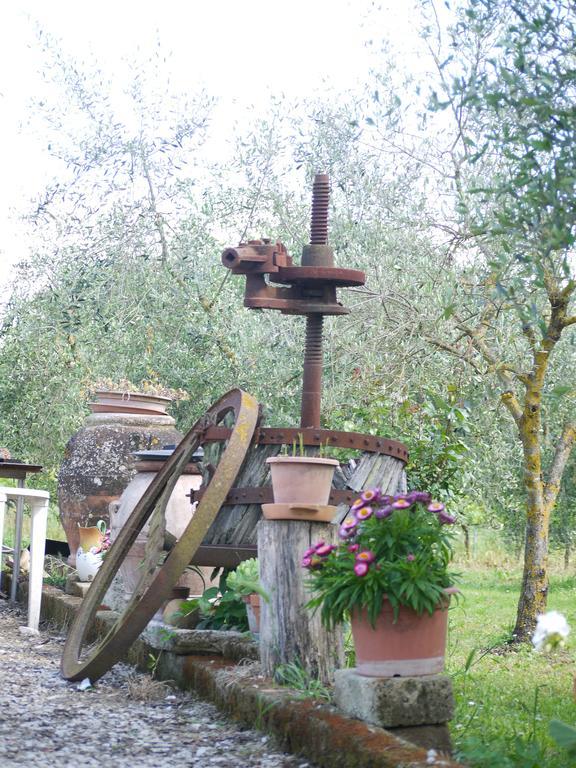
[{"x": 551, "y": 631}]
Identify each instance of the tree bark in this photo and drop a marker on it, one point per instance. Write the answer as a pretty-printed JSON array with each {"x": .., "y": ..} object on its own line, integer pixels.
[
  {"x": 534, "y": 593},
  {"x": 535, "y": 576}
]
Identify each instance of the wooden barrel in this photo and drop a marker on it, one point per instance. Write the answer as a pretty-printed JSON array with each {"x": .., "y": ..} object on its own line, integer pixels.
[{"x": 233, "y": 536}]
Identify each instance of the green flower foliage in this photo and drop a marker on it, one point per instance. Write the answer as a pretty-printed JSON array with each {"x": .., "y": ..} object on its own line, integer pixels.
[{"x": 402, "y": 555}]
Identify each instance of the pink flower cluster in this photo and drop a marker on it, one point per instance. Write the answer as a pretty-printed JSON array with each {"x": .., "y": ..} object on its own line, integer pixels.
[
  {"x": 374, "y": 503},
  {"x": 105, "y": 544},
  {"x": 314, "y": 556}
]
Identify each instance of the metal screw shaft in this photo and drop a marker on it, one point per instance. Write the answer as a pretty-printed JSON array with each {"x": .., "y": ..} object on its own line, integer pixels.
[
  {"x": 320, "y": 202},
  {"x": 313, "y": 357}
]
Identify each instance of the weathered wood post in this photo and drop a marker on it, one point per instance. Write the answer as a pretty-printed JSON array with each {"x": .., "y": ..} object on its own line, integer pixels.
[{"x": 288, "y": 631}]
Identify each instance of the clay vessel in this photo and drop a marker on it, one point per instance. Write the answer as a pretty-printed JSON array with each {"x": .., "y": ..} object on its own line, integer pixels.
[
  {"x": 301, "y": 479},
  {"x": 413, "y": 645},
  {"x": 98, "y": 465},
  {"x": 179, "y": 512}
]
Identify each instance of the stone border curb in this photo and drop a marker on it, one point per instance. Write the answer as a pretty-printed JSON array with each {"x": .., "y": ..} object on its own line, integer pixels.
[{"x": 316, "y": 731}]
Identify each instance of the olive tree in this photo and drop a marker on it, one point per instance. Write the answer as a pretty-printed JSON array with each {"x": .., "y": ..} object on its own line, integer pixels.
[{"x": 509, "y": 82}]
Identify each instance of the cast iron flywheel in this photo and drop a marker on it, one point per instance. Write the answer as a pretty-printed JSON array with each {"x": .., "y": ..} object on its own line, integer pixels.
[{"x": 156, "y": 582}]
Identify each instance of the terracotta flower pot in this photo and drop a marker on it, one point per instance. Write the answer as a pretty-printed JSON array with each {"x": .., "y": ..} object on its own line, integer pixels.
[
  {"x": 253, "y": 611},
  {"x": 301, "y": 479},
  {"x": 414, "y": 645}
]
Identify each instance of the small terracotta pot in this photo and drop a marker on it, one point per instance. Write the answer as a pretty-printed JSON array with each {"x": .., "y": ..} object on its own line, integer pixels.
[
  {"x": 253, "y": 611},
  {"x": 301, "y": 479},
  {"x": 172, "y": 606},
  {"x": 412, "y": 646}
]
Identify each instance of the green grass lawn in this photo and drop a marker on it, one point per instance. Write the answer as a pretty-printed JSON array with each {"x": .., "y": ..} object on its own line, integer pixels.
[
  {"x": 54, "y": 528},
  {"x": 505, "y": 700}
]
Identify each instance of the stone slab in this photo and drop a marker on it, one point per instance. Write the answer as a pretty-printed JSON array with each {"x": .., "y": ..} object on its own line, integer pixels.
[
  {"x": 231, "y": 645},
  {"x": 393, "y": 702}
]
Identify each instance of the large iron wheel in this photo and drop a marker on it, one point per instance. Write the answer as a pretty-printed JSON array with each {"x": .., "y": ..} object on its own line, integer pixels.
[{"x": 156, "y": 582}]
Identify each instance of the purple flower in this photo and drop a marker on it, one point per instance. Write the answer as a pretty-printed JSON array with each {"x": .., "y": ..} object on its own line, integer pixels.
[
  {"x": 401, "y": 502},
  {"x": 358, "y": 504},
  {"x": 383, "y": 512},
  {"x": 421, "y": 497},
  {"x": 325, "y": 550},
  {"x": 410, "y": 557},
  {"x": 353, "y": 547},
  {"x": 366, "y": 556},
  {"x": 446, "y": 519},
  {"x": 309, "y": 552},
  {"x": 436, "y": 507},
  {"x": 361, "y": 569},
  {"x": 306, "y": 562},
  {"x": 363, "y": 514},
  {"x": 348, "y": 528},
  {"x": 371, "y": 495},
  {"x": 318, "y": 545}
]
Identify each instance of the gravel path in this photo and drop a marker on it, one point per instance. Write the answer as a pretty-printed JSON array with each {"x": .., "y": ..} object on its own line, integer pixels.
[{"x": 125, "y": 721}]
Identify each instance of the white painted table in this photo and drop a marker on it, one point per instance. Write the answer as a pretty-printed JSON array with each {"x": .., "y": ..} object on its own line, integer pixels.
[{"x": 38, "y": 501}]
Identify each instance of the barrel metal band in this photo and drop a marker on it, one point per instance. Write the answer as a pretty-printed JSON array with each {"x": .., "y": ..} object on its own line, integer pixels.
[
  {"x": 263, "y": 495},
  {"x": 320, "y": 438}
]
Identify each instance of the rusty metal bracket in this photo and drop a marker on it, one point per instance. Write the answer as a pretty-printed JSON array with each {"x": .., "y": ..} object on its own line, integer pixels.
[{"x": 156, "y": 584}]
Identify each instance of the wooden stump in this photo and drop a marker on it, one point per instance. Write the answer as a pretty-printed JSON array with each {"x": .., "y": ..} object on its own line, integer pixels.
[{"x": 288, "y": 631}]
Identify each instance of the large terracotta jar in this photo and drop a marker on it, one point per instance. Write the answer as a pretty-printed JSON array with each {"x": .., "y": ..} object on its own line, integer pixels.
[
  {"x": 179, "y": 512},
  {"x": 99, "y": 463}
]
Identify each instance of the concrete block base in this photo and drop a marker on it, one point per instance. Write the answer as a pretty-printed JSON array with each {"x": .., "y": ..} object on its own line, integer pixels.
[{"x": 395, "y": 702}]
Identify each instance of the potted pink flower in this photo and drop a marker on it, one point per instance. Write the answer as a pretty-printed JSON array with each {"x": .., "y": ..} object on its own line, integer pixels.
[{"x": 390, "y": 576}]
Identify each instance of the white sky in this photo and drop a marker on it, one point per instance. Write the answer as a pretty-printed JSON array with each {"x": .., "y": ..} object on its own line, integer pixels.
[{"x": 240, "y": 51}]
